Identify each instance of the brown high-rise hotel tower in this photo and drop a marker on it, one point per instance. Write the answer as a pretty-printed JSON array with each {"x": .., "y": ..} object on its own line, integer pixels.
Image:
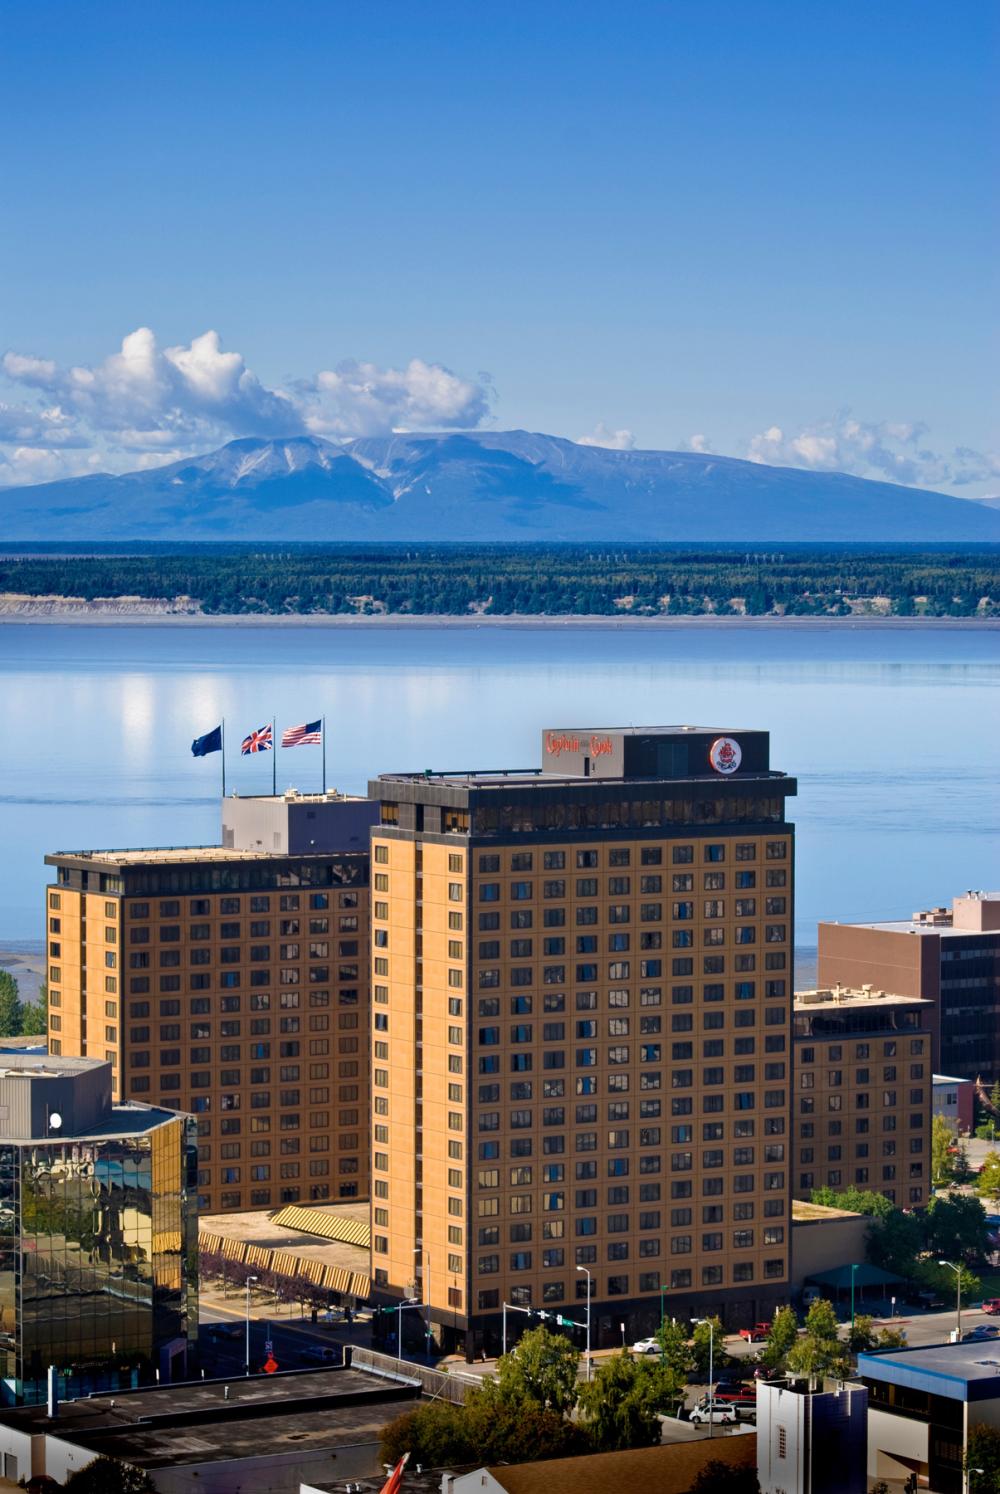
[
  {"x": 581, "y": 1031},
  {"x": 231, "y": 981}
]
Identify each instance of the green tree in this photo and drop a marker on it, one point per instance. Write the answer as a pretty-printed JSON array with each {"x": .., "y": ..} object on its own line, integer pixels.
[
  {"x": 543, "y": 1368},
  {"x": 944, "y": 1149},
  {"x": 433, "y": 1434},
  {"x": 109, "y": 1476},
  {"x": 819, "y": 1351},
  {"x": 620, "y": 1405},
  {"x": 862, "y": 1337},
  {"x": 855, "y": 1200},
  {"x": 988, "y": 1182},
  {"x": 676, "y": 1353},
  {"x": 984, "y": 1452},
  {"x": 783, "y": 1336},
  {"x": 942, "y": 1280},
  {"x": 894, "y": 1241},
  {"x": 11, "y": 1010},
  {"x": 955, "y": 1226},
  {"x": 708, "y": 1345},
  {"x": 500, "y": 1430},
  {"x": 891, "y": 1338},
  {"x": 35, "y": 1014},
  {"x": 722, "y": 1478}
]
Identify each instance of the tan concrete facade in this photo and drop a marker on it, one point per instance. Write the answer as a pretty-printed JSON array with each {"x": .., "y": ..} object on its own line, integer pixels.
[
  {"x": 949, "y": 956},
  {"x": 580, "y": 1063},
  {"x": 863, "y": 1092},
  {"x": 232, "y": 986}
]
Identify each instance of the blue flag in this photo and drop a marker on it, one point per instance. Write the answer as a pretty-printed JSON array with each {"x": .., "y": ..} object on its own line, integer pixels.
[{"x": 210, "y": 742}]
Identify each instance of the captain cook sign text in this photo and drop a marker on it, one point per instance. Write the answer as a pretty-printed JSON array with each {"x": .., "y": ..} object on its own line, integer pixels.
[{"x": 557, "y": 742}]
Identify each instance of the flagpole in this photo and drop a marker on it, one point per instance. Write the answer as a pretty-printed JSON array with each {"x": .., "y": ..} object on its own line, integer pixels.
[
  {"x": 274, "y": 759},
  {"x": 323, "y": 727},
  {"x": 223, "y": 757}
]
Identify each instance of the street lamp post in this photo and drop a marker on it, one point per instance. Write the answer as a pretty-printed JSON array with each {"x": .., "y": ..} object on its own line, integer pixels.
[
  {"x": 663, "y": 1325},
  {"x": 250, "y": 1281},
  {"x": 853, "y": 1270},
  {"x": 711, "y": 1372},
  {"x": 586, "y": 1273},
  {"x": 426, "y": 1294},
  {"x": 958, "y": 1297}
]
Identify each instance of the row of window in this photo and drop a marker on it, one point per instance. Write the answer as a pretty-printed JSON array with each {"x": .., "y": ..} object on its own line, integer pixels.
[
  {"x": 617, "y": 856},
  {"x": 620, "y": 997},
  {"x": 740, "y": 1272},
  {"x": 263, "y": 1198},
  {"x": 202, "y": 907}
]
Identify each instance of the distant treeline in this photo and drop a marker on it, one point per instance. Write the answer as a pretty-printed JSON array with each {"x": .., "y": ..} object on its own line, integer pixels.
[{"x": 552, "y": 580}]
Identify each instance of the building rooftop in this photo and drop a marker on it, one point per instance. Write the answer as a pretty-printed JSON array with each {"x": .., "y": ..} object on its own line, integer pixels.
[
  {"x": 850, "y": 996},
  {"x": 812, "y": 1213},
  {"x": 961, "y": 1372},
  {"x": 27, "y": 1065},
  {"x": 145, "y": 855},
  {"x": 973, "y": 913},
  {"x": 197, "y": 1423},
  {"x": 670, "y": 1469}
]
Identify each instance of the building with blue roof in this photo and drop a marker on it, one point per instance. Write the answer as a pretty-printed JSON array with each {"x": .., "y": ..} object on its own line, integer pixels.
[{"x": 922, "y": 1405}]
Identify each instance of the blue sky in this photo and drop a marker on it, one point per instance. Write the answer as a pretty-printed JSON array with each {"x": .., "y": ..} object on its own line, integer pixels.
[{"x": 764, "y": 228}]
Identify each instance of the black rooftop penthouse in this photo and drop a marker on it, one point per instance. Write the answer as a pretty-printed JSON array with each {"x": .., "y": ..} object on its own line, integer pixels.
[{"x": 667, "y": 779}]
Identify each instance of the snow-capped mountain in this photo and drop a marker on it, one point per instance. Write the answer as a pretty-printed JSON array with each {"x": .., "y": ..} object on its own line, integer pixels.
[{"x": 482, "y": 485}]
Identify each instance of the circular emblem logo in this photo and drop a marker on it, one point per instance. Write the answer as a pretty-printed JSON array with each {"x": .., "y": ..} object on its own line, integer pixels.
[{"x": 725, "y": 755}]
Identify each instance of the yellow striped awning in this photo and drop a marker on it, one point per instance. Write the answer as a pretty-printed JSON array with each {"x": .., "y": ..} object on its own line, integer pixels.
[{"x": 328, "y": 1226}]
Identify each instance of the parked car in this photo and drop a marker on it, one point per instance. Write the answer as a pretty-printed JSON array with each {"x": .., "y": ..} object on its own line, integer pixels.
[
  {"x": 647, "y": 1346},
  {"x": 721, "y": 1416},
  {"x": 992, "y": 1306},
  {"x": 980, "y": 1333},
  {"x": 322, "y": 1355},
  {"x": 757, "y": 1333},
  {"x": 743, "y": 1401},
  {"x": 928, "y": 1300},
  {"x": 221, "y": 1332},
  {"x": 734, "y": 1379}
]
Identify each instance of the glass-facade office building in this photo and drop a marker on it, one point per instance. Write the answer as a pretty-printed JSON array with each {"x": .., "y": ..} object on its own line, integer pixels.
[{"x": 98, "y": 1233}]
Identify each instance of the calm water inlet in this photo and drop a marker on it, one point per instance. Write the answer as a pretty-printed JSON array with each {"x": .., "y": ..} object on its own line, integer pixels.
[{"x": 892, "y": 733}]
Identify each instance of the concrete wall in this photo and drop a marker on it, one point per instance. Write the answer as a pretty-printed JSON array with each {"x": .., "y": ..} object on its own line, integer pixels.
[
  {"x": 824, "y": 1244},
  {"x": 896, "y": 1445},
  {"x": 961, "y": 1109},
  {"x": 277, "y": 1473},
  {"x": 297, "y": 827},
  {"x": 26, "y": 1451}
]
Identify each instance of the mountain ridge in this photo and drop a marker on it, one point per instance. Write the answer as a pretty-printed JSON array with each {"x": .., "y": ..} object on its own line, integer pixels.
[{"x": 481, "y": 486}]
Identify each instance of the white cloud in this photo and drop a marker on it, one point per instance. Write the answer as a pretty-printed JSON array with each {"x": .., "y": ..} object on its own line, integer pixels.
[
  {"x": 30, "y": 464},
  {"x": 362, "y": 399},
  {"x": 698, "y": 442},
  {"x": 145, "y": 405},
  {"x": 622, "y": 440},
  {"x": 889, "y": 450}
]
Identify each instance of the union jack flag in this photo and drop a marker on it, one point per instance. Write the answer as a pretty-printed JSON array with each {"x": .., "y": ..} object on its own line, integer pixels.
[{"x": 258, "y": 741}]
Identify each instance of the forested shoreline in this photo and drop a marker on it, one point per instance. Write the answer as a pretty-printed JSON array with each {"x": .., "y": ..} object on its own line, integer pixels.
[{"x": 526, "y": 580}]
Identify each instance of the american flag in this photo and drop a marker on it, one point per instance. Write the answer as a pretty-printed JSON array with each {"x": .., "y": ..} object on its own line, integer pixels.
[
  {"x": 258, "y": 741},
  {"x": 309, "y": 734}
]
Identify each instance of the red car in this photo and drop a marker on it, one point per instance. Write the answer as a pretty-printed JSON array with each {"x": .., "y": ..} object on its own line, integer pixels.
[
  {"x": 757, "y": 1333},
  {"x": 992, "y": 1306}
]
